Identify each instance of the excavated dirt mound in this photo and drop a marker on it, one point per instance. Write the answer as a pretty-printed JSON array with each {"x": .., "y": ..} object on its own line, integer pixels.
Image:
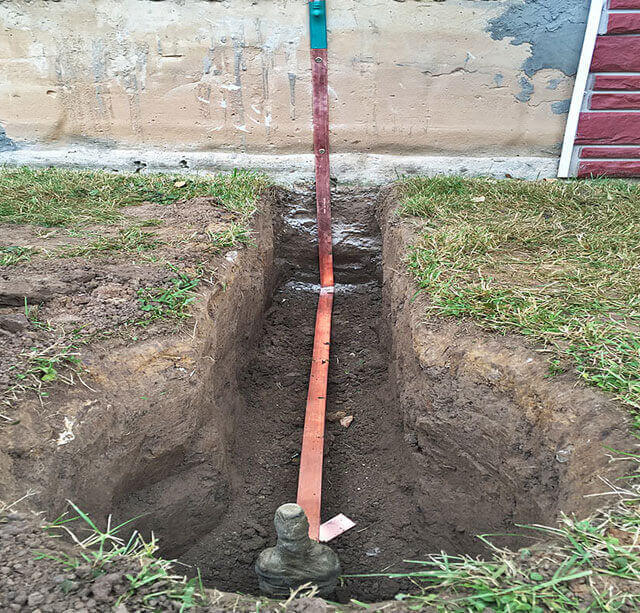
[{"x": 437, "y": 431}]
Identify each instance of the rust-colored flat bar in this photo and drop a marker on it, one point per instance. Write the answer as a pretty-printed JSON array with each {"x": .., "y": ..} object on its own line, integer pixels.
[
  {"x": 319, "y": 76},
  {"x": 310, "y": 479}
]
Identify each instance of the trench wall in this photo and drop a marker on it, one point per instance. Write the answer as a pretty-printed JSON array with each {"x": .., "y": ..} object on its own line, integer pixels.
[
  {"x": 450, "y": 77},
  {"x": 491, "y": 433},
  {"x": 157, "y": 438}
]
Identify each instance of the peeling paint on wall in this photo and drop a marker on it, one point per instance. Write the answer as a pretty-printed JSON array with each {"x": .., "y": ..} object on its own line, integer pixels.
[
  {"x": 553, "y": 28},
  {"x": 526, "y": 90},
  {"x": 561, "y": 107},
  {"x": 6, "y": 144}
]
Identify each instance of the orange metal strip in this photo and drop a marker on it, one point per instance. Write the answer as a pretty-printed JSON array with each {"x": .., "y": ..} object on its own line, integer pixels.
[
  {"x": 310, "y": 477},
  {"x": 310, "y": 480}
]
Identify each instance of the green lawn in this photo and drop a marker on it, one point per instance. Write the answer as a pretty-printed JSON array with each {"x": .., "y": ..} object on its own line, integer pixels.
[{"x": 57, "y": 197}]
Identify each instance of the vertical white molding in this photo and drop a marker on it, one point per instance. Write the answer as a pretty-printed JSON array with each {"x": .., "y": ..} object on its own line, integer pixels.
[{"x": 591, "y": 34}]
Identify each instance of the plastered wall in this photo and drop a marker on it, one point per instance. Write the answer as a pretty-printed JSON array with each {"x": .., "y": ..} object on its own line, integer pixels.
[{"x": 455, "y": 77}]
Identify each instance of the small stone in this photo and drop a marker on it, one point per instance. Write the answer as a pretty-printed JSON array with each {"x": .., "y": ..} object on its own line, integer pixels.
[
  {"x": 13, "y": 322},
  {"x": 101, "y": 589},
  {"x": 68, "y": 586},
  {"x": 34, "y": 599},
  {"x": 346, "y": 421},
  {"x": 308, "y": 605}
]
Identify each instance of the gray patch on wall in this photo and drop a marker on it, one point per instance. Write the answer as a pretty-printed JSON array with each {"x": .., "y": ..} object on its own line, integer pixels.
[
  {"x": 6, "y": 144},
  {"x": 553, "y": 28},
  {"x": 561, "y": 106},
  {"x": 526, "y": 90}
]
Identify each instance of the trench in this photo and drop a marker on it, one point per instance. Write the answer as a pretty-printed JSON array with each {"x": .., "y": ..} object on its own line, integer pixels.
[
  {"x": 449, "y": 439},
  {"x": 365, "y": 463},
  {"x": 371, "y": 473}
]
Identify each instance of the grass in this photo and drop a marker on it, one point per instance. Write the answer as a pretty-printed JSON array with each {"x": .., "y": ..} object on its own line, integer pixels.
[
  {"x": 63, "y": 198},
  {"x": 12, "y": 255},
  {"x": 236, "y": 234},
  {"x": 57, "y": 361},
  {"x": 168, "y": 302},
  {"x": 558, "y": 262},
  {"x": 81, "y": 202},
  {"x": 128, "y": 240},
  {"x": 152, "y": 577}
]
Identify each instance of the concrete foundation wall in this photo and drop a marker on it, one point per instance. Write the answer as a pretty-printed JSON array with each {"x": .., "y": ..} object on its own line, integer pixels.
[{"x": 414, "y": 77}]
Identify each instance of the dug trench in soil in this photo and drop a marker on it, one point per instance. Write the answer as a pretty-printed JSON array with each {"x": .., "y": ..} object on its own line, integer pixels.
[
  {"x": 428, "y": 460},
  {"x": 455, "y": 432}
]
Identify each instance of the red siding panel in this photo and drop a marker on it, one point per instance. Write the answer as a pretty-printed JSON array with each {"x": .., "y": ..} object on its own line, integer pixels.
[
  {"x": 624, "y": 23},
  {"x": 616, "y": 54},
  {"x": 611, "y": 153},
  {"x": 603, "y": 102},
  {"x": 608, "y": 129},
  {"x": 609, "y": 169},
  {"x": 625, "y": 4},
  {"x": 620, "y": 82}
]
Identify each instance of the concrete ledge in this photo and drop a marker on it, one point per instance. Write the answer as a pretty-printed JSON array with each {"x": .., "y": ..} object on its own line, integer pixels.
[{"x": 287, "y": 169}]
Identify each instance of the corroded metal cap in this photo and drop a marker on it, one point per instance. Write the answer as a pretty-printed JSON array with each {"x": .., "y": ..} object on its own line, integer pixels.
[{"x": 296, "y": 559}]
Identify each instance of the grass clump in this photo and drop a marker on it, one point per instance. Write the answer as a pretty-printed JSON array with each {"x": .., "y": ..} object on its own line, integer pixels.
[
  {"x": 149, "y": 580},
  {"x": 56, "y": 197},
  {"x": 58, "y": 360},
  {"x": 556, "y": 261},
  {"x": 12, "y": 255},
  {"x": 168, "y": 302},
  {"x": 128, "y": 240},
  {"x": 236, "y": 234}
]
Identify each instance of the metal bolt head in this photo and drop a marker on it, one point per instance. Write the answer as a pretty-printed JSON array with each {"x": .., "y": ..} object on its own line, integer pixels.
[
  {"x": 318, "y": 60},
  {"x": 322, "y": 151}
]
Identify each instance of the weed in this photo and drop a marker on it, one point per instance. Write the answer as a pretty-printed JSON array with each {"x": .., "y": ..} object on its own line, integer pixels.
[
  {"x": 168, "y": 303},
  {"x": 101, "y": 548},
  {"x": 57, "y": 361},
  {"x": 12, "y": 255}
]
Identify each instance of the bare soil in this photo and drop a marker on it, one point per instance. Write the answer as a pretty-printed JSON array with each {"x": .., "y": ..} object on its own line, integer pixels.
[
  {"x": 81, "y": 299},
  {"x": 455, "y": 432}
]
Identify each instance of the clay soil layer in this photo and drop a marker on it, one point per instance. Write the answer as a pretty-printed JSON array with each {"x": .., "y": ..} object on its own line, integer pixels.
[{"x": 451, "y": 431}]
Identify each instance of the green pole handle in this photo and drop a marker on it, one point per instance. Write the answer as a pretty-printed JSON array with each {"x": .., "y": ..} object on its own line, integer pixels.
[{"x": 318, "y": 24}]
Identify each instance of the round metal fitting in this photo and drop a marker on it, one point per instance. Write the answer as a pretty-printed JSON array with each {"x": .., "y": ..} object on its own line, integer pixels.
[
  {"x": 319, "y": 60},
  {"x": 322, "y": 151}
]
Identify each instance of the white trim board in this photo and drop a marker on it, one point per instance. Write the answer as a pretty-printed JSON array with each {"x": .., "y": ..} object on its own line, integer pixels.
[{"x": 582, "y": 76}]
